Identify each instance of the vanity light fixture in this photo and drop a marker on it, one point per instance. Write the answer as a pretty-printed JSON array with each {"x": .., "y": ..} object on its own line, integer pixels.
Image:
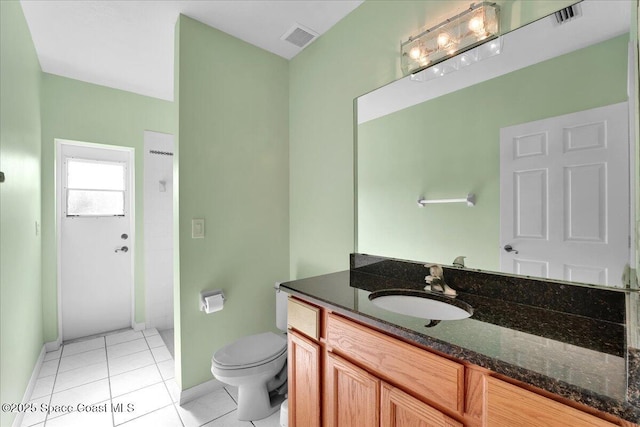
[{"x": 476, "y": 25}]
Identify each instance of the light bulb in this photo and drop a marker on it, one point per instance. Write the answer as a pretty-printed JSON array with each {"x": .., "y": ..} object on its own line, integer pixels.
[
  {"x": 414, "y": 53},
  {"x": 476, "y": 25},
  {"x": 443, "y": 40}
]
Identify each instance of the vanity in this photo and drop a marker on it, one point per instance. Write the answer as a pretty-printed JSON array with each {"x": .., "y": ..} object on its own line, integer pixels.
[
  {"x": 556, "y": 357},
  {"x": 537, "y": 137}
]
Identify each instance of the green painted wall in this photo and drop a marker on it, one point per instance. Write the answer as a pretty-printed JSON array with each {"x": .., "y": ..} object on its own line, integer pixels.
[
  {"x": 80, "y": 111},
  {"x": 357, "y": 55},
  {"x": 20, "y": 272},
  {"x": 424, "y": 150},
  {"x": 233, "y": 162}
]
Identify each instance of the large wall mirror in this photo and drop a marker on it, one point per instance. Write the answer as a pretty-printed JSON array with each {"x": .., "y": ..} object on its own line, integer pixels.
[{"x": 539, "y": 134}]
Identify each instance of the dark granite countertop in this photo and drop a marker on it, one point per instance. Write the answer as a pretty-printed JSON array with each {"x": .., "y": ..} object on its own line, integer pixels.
[{"x": 578, "y": 351}]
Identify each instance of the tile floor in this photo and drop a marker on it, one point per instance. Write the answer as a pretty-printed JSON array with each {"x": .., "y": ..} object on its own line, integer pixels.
[{"x": 132, "y": 372}]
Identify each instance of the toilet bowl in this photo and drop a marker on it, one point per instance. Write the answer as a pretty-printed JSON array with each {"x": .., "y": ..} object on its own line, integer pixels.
[{"x": 257, "y": 365}]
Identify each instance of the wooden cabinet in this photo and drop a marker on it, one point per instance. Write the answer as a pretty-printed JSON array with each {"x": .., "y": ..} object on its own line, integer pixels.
[
  {"x": 352, "y": 395},
  {"x": 304, "y": 381},
  {"x": 405, "y": 365},
  {"x": 398, "y": 409},
  {"x": 355, "y": 398},
  {"x": 345, "y": 374},
  {"x": 304, "y": 367},
  {"x": 510, "y": 405}
]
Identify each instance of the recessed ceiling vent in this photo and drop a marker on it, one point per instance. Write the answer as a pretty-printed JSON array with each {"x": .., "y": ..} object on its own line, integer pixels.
[
  {"x": 299, "y": 35},
  {"x": 567, "y": 14}
]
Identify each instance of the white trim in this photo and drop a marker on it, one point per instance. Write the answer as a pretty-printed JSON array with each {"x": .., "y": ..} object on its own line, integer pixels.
[
  {"x": 138, "y": 326},
  {"x": 57, "y": 182},
  {"x": 633, "y": 215},
  {"x": 53, "y": 345},
  {"x": 59, "y": 142},
  {"x": 17, "y": 421},
  {"x": 200, "y": 390},
  {"x": 132, "y": 228}
]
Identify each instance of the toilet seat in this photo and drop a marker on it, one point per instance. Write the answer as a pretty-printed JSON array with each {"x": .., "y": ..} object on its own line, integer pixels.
[{"x": 251, "y": 351}]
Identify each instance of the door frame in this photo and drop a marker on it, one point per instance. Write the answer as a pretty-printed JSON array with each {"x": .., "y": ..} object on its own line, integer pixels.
[{"x": 59, "y": 143}]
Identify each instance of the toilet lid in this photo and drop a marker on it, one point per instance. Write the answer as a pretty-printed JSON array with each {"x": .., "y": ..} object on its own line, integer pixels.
[{"x": 252, "y": 350}]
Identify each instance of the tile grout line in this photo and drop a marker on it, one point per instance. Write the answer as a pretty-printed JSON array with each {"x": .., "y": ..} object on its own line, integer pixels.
[
  {"x": 83, "y": 351},
  {"x": 106, "y": 353},
  {"x": 230, "y": 395},
  {"x": 174, "y": 404},
  {"x": 161, "y": 381},
  {"x": 164, "y": 382},
  {"x": 143, "y": 415},
  {"x": 53, "y": 386},
  {"x": 218, "y": 417}
]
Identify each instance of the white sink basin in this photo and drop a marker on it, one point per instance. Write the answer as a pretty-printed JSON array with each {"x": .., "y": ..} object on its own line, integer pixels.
[{"x": 422, "y": 304}]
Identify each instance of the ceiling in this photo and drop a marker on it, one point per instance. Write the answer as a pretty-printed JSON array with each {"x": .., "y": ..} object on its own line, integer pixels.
[{"x": 129, "y": 45}]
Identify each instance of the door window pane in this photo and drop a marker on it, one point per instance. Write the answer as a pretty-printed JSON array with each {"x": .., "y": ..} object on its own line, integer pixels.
[
  {"x": 95, "y": 188},
  {"x": 93, "y": 175},
  {"x": 95, "y": 203}
]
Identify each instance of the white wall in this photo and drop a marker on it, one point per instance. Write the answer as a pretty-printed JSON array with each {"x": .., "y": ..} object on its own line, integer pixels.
[{"x": 158, "y": 234}]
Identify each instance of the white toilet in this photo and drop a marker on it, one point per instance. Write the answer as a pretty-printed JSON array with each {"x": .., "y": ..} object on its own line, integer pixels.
[{"x": 257, "y": 366}]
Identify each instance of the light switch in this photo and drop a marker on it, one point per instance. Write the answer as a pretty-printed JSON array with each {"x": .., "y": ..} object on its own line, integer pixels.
[{"x": 197, "y": 228}]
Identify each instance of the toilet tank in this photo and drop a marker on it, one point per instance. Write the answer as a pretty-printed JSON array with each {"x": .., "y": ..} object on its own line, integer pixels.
[{"x": 281, "y": 308}]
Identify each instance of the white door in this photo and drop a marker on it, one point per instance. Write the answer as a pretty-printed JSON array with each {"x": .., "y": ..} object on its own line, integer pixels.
[
  {"x": 96, "y": 242},
  {"x": 564, "y": 196}
]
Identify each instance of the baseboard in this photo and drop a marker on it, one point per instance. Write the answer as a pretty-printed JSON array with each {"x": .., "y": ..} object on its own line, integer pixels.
[
  {"x": 200, "y": 390},
  {"x": 17, "y": 421},
  {"x": 138, "y": 326},
  {"x": 53, "y": 345}
]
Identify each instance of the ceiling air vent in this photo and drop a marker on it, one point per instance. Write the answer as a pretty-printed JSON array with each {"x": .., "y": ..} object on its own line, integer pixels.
[
  {"x": 299, "y": 35},
  {"x": 567, "y": 14}
]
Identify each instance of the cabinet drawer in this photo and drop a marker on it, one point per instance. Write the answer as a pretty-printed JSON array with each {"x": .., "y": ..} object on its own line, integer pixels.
[
  {"x": 433, "y": 377},
  {"x": 510, "y": 405},
  {"x": 304, "y": 318}
]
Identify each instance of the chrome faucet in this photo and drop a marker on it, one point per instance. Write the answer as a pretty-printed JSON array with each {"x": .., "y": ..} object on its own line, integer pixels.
[
  {"x": 435, "y": 281},
  {"x": 459, "y": 261}
]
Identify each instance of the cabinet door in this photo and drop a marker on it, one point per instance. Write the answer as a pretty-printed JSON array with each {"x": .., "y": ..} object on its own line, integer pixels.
[
  {"x": 398, "y": 409},
  {"x": 509, "y": 405},
  {"x": 352, "y": 395},
  {"x": 304, "y": 381}
]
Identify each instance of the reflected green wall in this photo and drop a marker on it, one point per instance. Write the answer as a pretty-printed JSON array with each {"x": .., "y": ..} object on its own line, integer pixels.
[
  {"x": 20, "y": 271},
  {"x": 449, "y": 146},
  {"x": 233, "y": 162},
  {"x": 357, "y": 55},
  {"x": 86, "y": 112}
]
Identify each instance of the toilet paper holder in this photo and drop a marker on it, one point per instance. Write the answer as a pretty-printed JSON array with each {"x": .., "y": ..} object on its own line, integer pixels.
[{"x": 205, "y": 294}]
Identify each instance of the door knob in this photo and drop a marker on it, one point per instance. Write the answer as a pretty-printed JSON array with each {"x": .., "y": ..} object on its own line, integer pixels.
[
  {"x": 509, "y": 248},
  {"x": 122, "y": 249}
]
